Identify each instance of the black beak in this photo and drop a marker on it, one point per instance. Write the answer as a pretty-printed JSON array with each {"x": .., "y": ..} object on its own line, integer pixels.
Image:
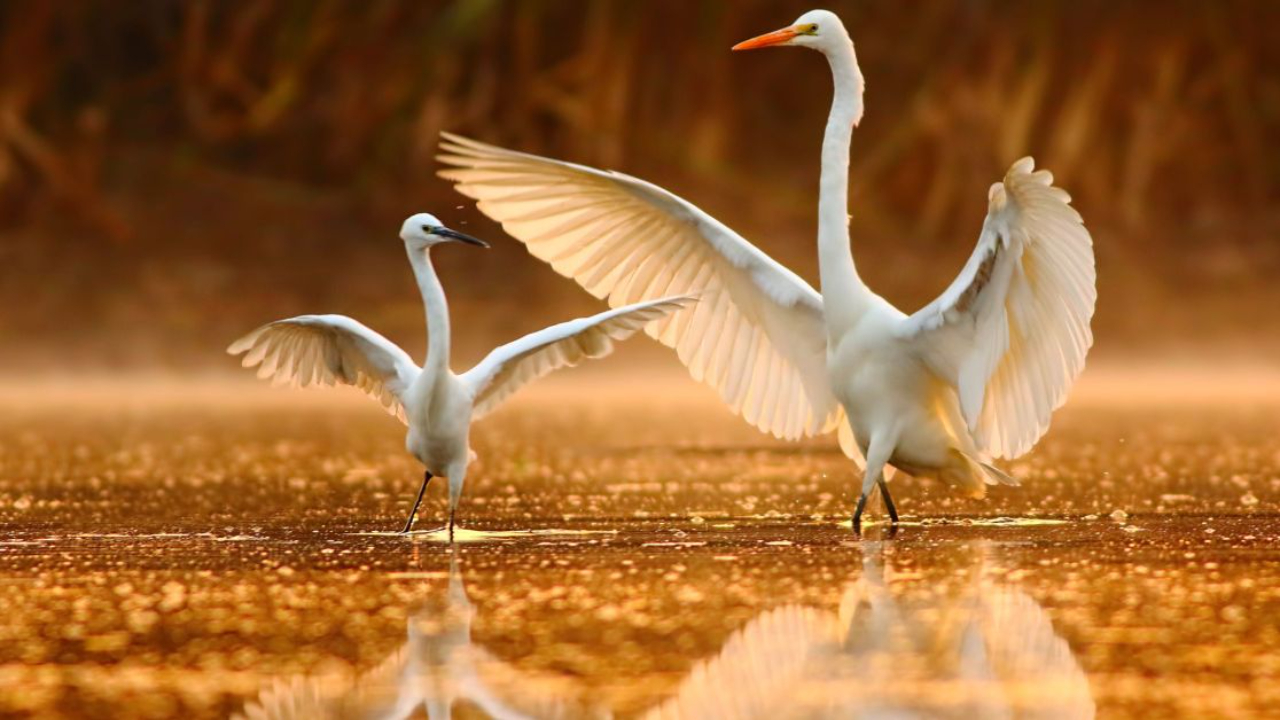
[{"x": 460, "y": 237}]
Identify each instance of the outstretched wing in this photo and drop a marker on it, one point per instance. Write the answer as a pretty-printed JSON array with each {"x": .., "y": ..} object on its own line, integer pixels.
[
  {"x": 514, "y": 365},
  {"x": 1012, "y": 331},
  {"x": 330, "y": 349},
  {"x": 758, "y": 337}
]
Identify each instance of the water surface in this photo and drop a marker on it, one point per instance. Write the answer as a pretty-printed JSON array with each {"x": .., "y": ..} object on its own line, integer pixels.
[{"x": 625, "y": 554}]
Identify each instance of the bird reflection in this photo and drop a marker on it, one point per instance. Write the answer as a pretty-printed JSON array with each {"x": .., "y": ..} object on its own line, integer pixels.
[
  {"x": 985, "y": 650},
  {"x": 438, "y": 671},
  {"x": 976, "y": 647}
]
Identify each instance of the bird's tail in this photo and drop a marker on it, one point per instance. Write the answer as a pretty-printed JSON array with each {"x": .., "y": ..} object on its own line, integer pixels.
[
  {"x": 996, "y": 475},
  {"x": 974, "y": 475}
]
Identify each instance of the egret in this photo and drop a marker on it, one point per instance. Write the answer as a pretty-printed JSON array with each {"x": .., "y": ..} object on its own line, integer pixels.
[
  {"x": 437, "y": 406},
  {"x": 973, "y": 376}
]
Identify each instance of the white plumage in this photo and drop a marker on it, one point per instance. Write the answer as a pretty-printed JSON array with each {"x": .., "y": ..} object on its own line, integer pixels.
[
  {"x": 437, "y": 405},
  {"x": 330, "y": 350},
  {"x": 1012, "y": 331},
  {"x": 975, "y": 375},
  {"x": 758, "y": 337},
  {"x": 512, "y": 366}
]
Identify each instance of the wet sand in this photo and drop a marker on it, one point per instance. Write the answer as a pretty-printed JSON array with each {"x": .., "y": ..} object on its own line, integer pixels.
[{"x": 228, "y": 549}]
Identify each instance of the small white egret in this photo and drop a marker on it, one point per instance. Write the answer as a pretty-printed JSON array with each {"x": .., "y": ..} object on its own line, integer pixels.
[
  {"x": 437, "y": 405},
  {"x": 974, "y": 375}
]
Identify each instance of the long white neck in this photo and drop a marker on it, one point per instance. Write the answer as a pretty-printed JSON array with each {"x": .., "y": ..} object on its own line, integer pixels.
[
  {"x": 437, "y": 310},
  {"x": 845, "y": 296}
]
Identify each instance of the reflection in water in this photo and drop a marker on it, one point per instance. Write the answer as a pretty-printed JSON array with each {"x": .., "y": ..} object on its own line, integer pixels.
[
  {"x": 978, "y": 648},
  {"x": 464, "y": 536},
  {"x": 986, "y": 650},
  {"x": 439, "y": 670}
]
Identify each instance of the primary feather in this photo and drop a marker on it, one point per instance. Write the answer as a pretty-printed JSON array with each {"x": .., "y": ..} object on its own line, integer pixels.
[{"x": 757, "y": 338}]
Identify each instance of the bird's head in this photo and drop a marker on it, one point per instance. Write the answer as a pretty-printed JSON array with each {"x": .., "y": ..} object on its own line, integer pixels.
[
  {"x": 424, "y": 230},
  {"x": 820, "y": 30}
]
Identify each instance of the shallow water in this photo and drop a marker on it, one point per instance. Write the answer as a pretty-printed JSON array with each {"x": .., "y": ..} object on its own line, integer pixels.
[{"x": 232, "y": 551}]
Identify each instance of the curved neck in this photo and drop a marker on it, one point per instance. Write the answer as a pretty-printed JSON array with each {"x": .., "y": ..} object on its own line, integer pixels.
[
  {"x": 845, "y": 296},
  {"x": 437, "y": 310}
]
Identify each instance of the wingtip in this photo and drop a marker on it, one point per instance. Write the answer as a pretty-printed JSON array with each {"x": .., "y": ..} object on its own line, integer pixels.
[
  {"x": 997, "y": 198},
  {"x": 1024, "y": 166},
  {"x": 246, "y": 342},
  {"x": 465, "y": 143},
  {"x": 242, "y": 344}
]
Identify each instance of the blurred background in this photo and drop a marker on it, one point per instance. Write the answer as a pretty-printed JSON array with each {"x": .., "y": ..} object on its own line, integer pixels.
[{"x": 174, "y": 173}]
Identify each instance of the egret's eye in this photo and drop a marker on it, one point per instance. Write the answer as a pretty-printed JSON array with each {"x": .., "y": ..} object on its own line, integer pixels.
[
  {"x": 428, "y": 229},
  {"x": 810, "y": 29}
]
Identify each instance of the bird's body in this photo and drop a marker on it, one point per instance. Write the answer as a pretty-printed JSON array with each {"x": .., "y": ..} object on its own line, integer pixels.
[
  {"x": 437, "y": 405},
  {"x": 439, "y": 413},
  {"x": 903, "y": 403},
  {"x": 974, "y": 375}
]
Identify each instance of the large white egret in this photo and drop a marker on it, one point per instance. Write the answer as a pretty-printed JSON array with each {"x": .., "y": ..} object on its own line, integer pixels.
[
  {"x": 437, "y": 405},
  {"x": 972, "y": 376}
]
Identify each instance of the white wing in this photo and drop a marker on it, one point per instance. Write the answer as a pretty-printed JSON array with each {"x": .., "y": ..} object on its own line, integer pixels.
[
  {"x": 514, "y": 365},
  {"x": 1012, "y": 331},
  {"x": 758, "y": 338},
  {"x": 330, "y": 349}
]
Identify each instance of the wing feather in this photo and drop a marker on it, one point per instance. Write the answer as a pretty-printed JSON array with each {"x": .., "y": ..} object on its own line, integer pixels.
[
  {"x": 628, "y": 241},
  {"x": 1012, "y": 331},
  {"x": 510, "y": 367},
  {"x": 329, "y": 349}
]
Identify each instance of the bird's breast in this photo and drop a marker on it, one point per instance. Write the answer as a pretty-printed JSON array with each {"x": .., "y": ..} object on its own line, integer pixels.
[{"x": 439, "y": 428}]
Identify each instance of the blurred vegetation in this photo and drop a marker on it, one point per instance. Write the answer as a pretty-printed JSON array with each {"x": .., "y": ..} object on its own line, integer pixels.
[{"x": 174, "y": 172}]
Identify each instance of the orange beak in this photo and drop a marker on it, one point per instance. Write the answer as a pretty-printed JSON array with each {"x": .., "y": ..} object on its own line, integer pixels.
[{"x": 777, "y": 37}]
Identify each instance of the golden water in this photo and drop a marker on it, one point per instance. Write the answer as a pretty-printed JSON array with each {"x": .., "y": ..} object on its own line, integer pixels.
[{"x": 206, "y": 553}]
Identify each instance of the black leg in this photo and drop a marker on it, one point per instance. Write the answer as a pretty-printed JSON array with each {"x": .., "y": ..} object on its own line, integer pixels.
[
  {"x": 408, "y": 524},
  {"x": 857, "y": 513},
  {"x": 888, "y": 501},
  {"x": 451, "y": 513}
]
